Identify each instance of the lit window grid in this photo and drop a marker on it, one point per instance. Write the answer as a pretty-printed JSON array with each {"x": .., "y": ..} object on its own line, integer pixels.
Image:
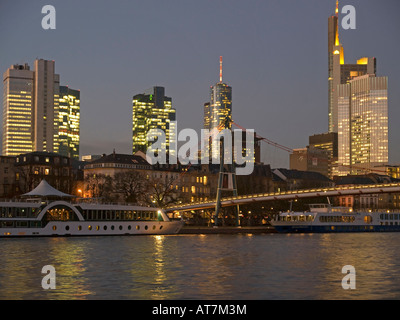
[
  {"x": 17, "y": 104},
  {"x": 363, "y": 130},
  {"x": 69, "y": 125},
  {"x": 146, "y": 117},
  {"x": 220, "y": 105}
]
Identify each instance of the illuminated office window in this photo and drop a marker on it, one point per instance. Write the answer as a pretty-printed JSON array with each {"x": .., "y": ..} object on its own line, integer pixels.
[
  {"x": 363, "y": 124},
  {"x": 69, "y": 122}
]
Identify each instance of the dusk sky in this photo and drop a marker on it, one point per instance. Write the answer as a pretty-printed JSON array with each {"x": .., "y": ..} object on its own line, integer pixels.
[{"x": 275, "y": 59}]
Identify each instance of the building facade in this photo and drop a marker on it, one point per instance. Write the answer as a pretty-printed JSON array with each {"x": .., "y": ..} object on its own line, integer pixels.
[
  {"x": 31, "y": 168},
  {"x": 7, "y": 176},
  {"x": 18, "y": 91},
  {"x": 310, "y": 159},
  {"x": 220, "y": 106},
  {"x": 382, "y": 201},
  {"x": 69, "y": 122},
  {"x": 363, "y": 124},
  {"x": 152, "y": 110},
  {"x": 30, "y": 108},
  {"x": 392, "y": 171},
  {"x": 338, "y": 71},
  {"x": 46, "y": 100},
  {"x": 328, "y": 142}
]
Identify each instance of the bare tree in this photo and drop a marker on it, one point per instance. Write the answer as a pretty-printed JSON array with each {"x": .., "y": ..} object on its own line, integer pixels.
[
  {"x": 23, "y": 179},
  {"x": 131, "y": 185},
  {"x": 98, "y": 186},
  {"x": 161, "y": 192}
]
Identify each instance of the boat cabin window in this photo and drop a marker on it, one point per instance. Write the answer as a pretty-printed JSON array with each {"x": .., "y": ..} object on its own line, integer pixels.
[
  {"x": 301, "y": 218},
  {"x": 333, "y": 218},
  {"x": 342, "y": 209},
  {"x": 391, "y": 216},
  {"x": 17, "y": 212},
  {"x": 60, "y": 213},
  {"x": 123, "y": 215}
]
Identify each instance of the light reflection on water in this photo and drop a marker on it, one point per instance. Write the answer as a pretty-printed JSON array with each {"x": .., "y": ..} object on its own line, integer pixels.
[{"x": 272, "y": 266}]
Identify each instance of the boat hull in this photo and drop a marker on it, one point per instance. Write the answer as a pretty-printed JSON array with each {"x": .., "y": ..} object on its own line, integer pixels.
[
  {"x": 335, "y": 228},
  {"x": 96, "y": 228}
]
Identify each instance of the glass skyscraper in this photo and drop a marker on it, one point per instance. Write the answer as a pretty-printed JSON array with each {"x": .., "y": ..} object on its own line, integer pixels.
[
  {"x": 45, "y": 113},
  {"x": 30, "y": 108},
  {"x": 17, "y": 110},
  {"x": 220, "y": 106},
  {"x": 152, "y": 110},
  {"x": 362, "y": 124},
  {"x": 69, "y": 122},
  {"x": 218, "y": 111},
  {"x": 339, "y": 72}
]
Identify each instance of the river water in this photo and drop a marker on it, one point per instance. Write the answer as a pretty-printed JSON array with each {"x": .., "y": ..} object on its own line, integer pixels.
[{"x": 221, "y": 267}]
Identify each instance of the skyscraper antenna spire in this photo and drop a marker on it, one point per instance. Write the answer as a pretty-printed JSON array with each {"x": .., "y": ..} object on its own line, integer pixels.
[
  {"x": 220, "y": 69},
  {"x": 337, "y": 8},
  {"x": 337, "y": 42}
]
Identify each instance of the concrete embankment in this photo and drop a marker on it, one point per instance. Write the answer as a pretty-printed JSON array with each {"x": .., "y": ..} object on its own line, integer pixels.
[{"x": 226, "y": 230}]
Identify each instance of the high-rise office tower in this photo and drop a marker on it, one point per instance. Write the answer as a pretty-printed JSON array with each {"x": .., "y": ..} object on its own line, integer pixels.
[
  {"x": 152, "y": 110},
  {"x": 30, "y": 108},
  {"x": 17, "y": 110},
  {"x": 217, "y": 112},
  {"x": 328, "y": 142},
  {"x": 362, "y": 124},
  {"x": 339, "y": 72},
  {"x": 45, "y": 112},
  {"x": 219, "y": 109},
  {"x": 69, "y": 122}
]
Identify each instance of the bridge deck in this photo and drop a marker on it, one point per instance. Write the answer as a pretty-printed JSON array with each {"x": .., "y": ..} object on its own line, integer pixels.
[{"x": 290, "y": 195}]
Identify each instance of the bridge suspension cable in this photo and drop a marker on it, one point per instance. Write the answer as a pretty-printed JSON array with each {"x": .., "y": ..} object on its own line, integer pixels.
[{"x": 277, "y": 145}]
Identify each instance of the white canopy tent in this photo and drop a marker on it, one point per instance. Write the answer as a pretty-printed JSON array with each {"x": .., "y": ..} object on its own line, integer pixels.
[{"x": 46, "y": 190}]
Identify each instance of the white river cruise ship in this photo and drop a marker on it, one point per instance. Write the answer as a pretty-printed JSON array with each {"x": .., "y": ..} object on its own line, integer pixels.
[{"x": 44, "y": 212}]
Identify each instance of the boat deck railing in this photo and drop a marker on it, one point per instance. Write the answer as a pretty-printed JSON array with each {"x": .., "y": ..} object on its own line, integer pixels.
[
  {"x": 19, "y": 200},
  {"x": 353, "y": 211},
  {"x": 72, "y": 201}
]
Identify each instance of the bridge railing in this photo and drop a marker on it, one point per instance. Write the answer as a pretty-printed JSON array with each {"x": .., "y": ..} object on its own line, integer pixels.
[{"x": 315, "y": 192}]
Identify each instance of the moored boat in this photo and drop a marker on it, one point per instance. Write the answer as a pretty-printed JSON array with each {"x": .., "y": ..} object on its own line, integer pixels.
[
  {"x": 323, "y": 218},
  {"x": 41, "y": 216}
]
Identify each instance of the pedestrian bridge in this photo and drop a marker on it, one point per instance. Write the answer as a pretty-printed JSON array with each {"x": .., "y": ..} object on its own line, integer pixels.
[{"x": 289, "y": 195}]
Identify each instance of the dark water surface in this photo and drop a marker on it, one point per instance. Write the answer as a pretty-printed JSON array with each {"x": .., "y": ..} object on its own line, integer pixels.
[{"x": 239, "y": 267}]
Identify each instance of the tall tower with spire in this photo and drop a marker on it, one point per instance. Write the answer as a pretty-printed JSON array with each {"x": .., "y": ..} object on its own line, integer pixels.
[
  {"x": 219, "y": 108},
  {"x": 339, "y": 72}
]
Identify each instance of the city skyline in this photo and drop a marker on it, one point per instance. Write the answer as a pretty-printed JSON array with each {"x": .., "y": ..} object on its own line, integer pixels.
[
  {"x": 259, "y": 65},
  {"x": 39, "y": 114}
]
